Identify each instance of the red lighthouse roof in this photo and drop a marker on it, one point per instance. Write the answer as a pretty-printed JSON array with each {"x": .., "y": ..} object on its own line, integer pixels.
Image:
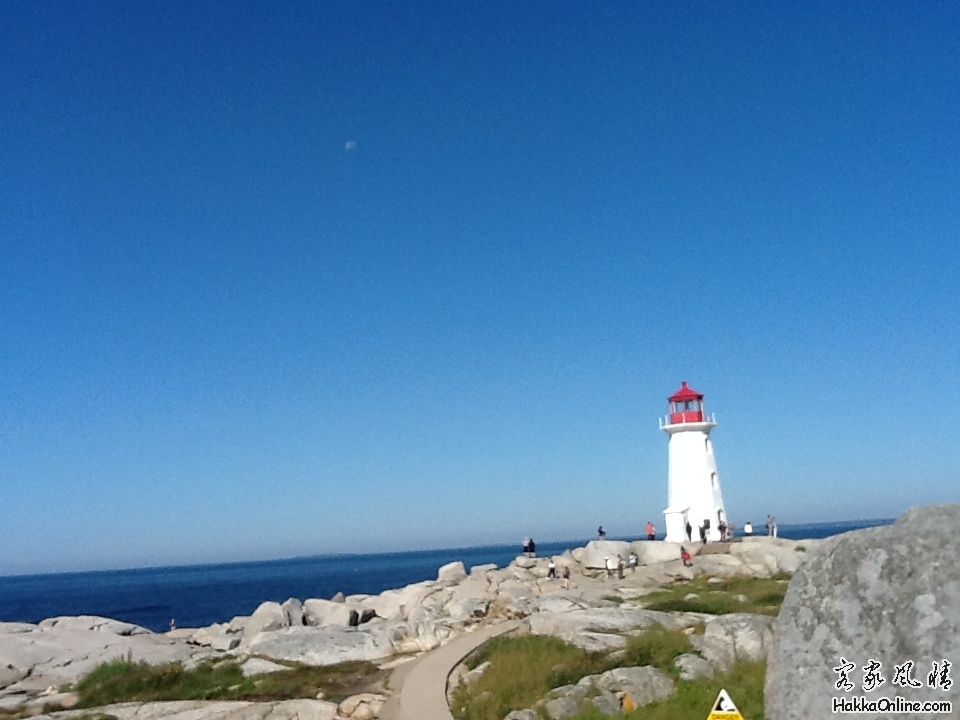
[{"x": 685, "y": 393}]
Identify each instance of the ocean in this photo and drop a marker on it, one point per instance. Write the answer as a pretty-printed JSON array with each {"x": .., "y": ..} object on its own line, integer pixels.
[{"x": 199, "y": 595}]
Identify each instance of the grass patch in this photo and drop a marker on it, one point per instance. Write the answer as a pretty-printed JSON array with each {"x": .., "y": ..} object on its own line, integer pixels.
[
  {"x": 694, "y": 698},
  {"x": 525, "y": 668},
  {"x": 522, "y": 670},
  {"x": 763, "y": 596},
  {"x": 656, "y": 646},
  {"x": 126, "y": 681},
  {"x": 614, "y": 598}
]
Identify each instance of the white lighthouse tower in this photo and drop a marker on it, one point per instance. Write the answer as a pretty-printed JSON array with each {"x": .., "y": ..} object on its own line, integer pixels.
[{"x": 694, "y": 486}]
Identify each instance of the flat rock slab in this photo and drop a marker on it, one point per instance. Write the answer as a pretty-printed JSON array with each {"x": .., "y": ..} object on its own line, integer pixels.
[{"x": 301, "y": 709}]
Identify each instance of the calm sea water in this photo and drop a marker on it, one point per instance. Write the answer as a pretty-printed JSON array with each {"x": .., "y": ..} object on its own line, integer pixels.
[{"x": 199, "y": 595}]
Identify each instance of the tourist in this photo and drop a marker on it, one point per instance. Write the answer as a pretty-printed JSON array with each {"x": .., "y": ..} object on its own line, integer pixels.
[
  {"x": 566, "y": 577},
  {"x": 525, "y": 545},
  {"x": 770, "y": 525},
  {"x": 747, "y": 529},
  {"x": 689, "y": 532},
  {"x": 633, "y": 562},
  {"x": 601, "y": 533},
  {"x": 651, "y": 531},
  {"x": 722, "y": 527},
  {"x": 608, "y": 565},
  {"x": 773, "y": 525},
  {"x": 703, "y": 534},
  {"x": 685, "y": 557},
  {"x": 552, "y": 569},
  {"x": 620, "y": 566},
  {"x": 533, "y": 548}
]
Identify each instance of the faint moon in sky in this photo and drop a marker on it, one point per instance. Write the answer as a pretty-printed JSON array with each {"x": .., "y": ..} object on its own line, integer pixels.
[{"x": 351, "y": 144}]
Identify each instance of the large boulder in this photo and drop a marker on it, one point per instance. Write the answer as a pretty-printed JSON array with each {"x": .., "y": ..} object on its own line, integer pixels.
[
  {"x": 765, "y": 557},
  {"x": 597, "y": 551},
  {"x": 645, "y": 684},
  {"x": 451, "y": 573},
  {"x": 651, "y": 552},
  {"x": 292, "y": 612},
  {"x": 318, "y": 612},
  {"x": 737, "y": 636},
  {"x": 216, "y": 636},
  {"x": 93, "y": 623},
  {"x": 887, "y": 595},
  {"x": 602, "y": 628},
  {"x": 268, "y": 616},
  {"x": 62, "y": 650},
  {"x": 329, "y": 645}
]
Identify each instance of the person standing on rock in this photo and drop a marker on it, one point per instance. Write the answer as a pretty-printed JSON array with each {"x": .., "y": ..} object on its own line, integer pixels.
[
  {"x": 533, "y": 548},
  {"x": 685, "y": 557},
  {"x": 566, "y": 577},
  {"x": 552, "y": 569},
  {"x": 608, "y": 565},
  {"x": 633, "y": 562},
  {"x": 620, "y": 566},
  {"x": 651, "y": 531},
  {"x": 601, "y": 533},
  {"x": 747, "y": 529},
  {"x": 703, "y": 534}
]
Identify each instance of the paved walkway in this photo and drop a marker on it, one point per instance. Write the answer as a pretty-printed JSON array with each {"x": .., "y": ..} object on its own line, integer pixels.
[{"x": 420, "y": 687}]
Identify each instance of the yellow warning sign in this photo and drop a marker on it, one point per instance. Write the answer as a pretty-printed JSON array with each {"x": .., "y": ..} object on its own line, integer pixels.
[{"x": 724, "y": 708}]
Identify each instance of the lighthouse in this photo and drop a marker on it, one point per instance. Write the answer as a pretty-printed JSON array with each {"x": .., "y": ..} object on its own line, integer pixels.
[{"x": 693, "y": 484}]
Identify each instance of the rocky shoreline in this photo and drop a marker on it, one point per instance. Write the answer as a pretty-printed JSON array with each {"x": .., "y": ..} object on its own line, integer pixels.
[
  {"x": 887, "y": 594},
  {"x": 389, "y": 628}
]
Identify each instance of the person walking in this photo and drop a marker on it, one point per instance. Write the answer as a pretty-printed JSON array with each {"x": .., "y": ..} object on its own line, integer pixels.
[
  {"x": 632, "y": 560},
  {"x": 552, "y": 569},
  {"x": 566, "y": 577}
]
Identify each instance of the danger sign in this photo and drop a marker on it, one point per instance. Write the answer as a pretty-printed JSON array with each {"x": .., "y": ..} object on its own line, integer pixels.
[{"x": 724, "y": 708}]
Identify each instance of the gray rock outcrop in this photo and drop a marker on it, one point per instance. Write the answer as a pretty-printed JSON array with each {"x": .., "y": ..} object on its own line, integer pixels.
[
  {"x": 887, "y": 594},
  {"x": 737, "y": 636}
]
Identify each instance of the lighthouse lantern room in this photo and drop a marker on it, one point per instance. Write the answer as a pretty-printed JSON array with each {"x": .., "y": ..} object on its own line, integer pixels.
[{"x": 693, "y": 484}]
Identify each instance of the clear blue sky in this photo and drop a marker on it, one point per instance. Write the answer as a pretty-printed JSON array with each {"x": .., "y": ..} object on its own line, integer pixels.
[{"x": 293, "y": 278}]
